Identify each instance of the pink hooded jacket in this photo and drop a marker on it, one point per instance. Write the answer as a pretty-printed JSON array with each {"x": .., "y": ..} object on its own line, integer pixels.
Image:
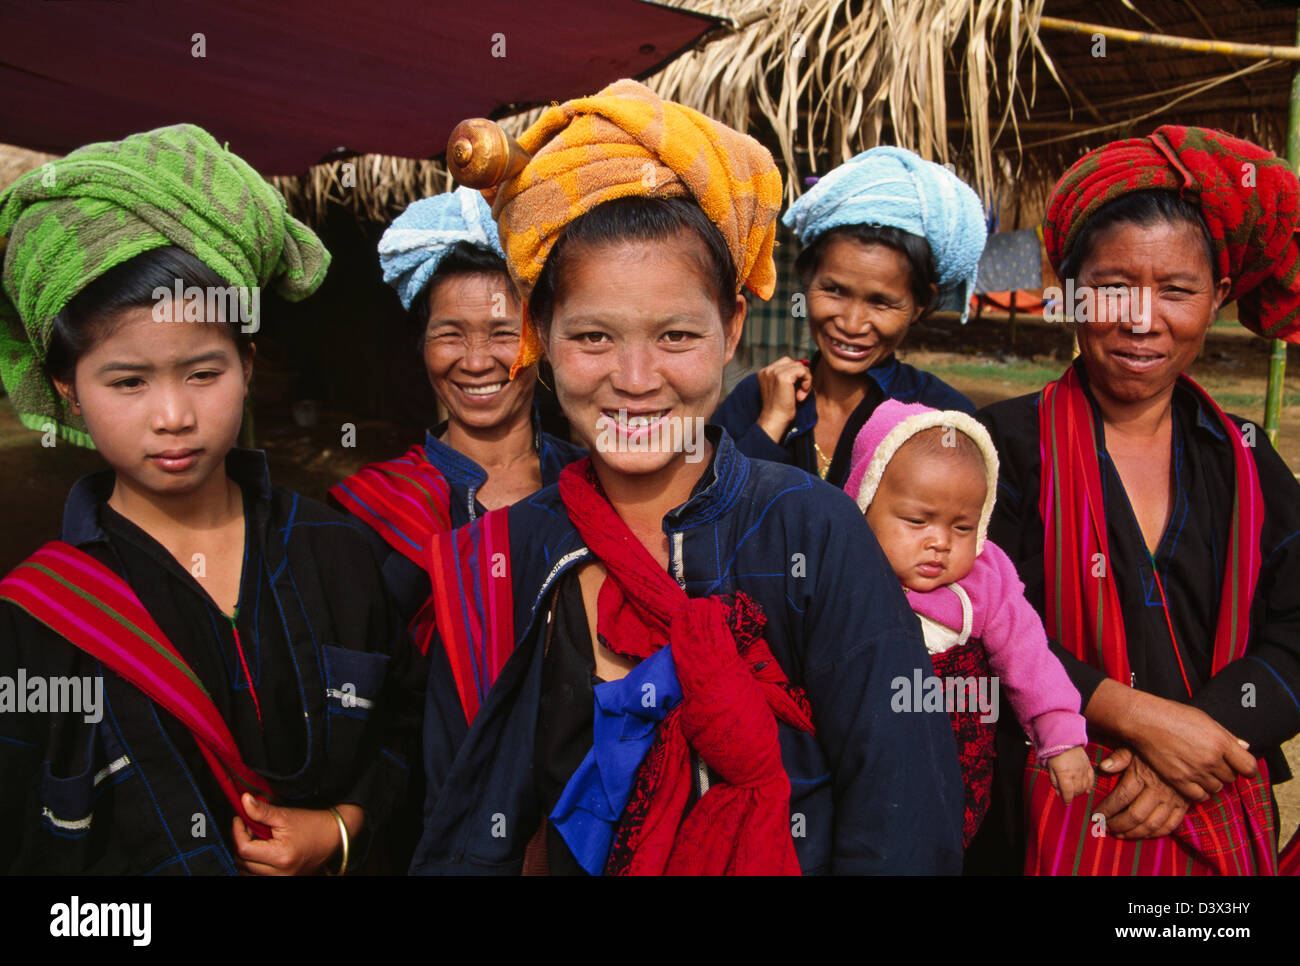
[{"x": 1044, "y": 701}]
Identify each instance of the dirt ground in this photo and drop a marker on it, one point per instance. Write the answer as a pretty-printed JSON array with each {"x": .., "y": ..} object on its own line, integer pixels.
[{"x": 979, "y": 359}]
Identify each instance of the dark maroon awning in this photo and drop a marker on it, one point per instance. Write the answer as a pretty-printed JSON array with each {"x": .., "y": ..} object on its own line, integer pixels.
[{"x": 292, "y": 82}]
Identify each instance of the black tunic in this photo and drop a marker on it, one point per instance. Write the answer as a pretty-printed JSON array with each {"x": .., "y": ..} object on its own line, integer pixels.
[
  {"x": 1189, "y": 559},
  {"x": 132, "y": 793},
  {"x": 565, "y": 711}
]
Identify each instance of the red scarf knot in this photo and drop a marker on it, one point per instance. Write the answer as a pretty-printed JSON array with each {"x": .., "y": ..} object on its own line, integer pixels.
[{"x": 733, "y": 693}]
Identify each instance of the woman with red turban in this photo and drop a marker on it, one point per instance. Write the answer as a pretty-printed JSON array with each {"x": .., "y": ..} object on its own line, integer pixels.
[{"x": 1157, "y": 535}]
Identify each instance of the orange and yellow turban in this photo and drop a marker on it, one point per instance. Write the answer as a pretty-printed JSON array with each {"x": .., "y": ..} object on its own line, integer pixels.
[{"x": 626, "y": 141}]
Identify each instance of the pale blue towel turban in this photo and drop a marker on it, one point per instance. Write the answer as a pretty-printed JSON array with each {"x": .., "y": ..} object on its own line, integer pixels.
[
  {"x": 422, "y": 236},
  {"x": 893, "y": 187}
]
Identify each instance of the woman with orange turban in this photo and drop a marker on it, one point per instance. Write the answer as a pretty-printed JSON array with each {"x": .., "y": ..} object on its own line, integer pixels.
[
  {"x": 667, "y": 663},
  {"x": 1157, "y": 535}
]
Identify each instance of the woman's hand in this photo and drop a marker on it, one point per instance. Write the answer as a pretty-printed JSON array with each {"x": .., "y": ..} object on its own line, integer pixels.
[
  {"x": 302, "y": 839},
  {"x": 784, "y": 384},
  {"x": 1071, "y": 773},
  {"x": 1142, "y": 805},
  {"x": 1190, "y": 750}
]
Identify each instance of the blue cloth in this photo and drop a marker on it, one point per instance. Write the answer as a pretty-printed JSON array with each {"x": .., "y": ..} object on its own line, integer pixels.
[
  {"x": 893, "y": 187},
  {"x": 880, "y": 792},
  {"x": 421, "y": 236},
  {"x": 1012, "y": 261},
  {"x": 627, "y": 713}
]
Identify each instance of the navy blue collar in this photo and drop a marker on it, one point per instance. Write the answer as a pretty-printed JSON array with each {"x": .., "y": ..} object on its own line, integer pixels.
[
  {"x": 458, "y": 468},
  {"x": 247, "y": 467},
  {"x": 1205, "y": 419},
  {"x": 717, "y": 489},
  {"x": 884, "y": 372}
]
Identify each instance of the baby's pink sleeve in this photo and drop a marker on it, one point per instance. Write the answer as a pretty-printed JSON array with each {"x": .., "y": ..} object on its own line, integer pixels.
[{"x": 1035, "y": 683}]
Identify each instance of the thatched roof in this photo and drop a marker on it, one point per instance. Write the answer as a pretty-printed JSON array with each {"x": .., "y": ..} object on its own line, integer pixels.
[
  {"x": 1135, "y": 88},
  {"x": 15, "y": 161}
]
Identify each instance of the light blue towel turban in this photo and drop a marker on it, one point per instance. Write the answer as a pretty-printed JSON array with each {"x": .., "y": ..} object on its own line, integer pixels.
[
  {"x": 896, "y": 188},
  {"x": 422, "y": 236}
]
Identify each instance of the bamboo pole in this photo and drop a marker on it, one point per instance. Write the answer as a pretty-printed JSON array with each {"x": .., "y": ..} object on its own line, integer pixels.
[
  {"x": 1273, "y": 400},
  {"x": 1277, "y": 356},
  {"x": 1193, "y": 44}
]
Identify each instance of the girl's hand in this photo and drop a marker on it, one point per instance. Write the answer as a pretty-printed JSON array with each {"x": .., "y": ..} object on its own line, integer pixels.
[
  {"x": 302, "y": 839},
  {"x": 1071, "y": 773},
  {"x": 1142, "y": 805},
  {"x": 784, "y": 384}
]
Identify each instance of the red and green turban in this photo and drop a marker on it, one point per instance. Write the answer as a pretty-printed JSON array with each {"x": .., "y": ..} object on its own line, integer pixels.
[{"x": 1249, "y": 197}]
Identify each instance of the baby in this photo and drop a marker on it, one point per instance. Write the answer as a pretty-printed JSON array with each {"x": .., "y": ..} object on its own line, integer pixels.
[{"x": 926, "y": 481}]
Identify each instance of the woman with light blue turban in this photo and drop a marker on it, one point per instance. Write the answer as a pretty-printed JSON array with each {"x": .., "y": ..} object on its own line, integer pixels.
[
  {"x": 883, "y": 235},
  {"x": 445, "y": 260}
]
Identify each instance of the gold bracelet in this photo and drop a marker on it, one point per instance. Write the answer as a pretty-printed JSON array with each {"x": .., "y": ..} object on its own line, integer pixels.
[{"x": 343, "y": 832}]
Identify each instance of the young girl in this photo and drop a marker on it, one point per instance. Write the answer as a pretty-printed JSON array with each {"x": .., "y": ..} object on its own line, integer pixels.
[
  {"x": 666, "y": 663},
  {"x": 926, "y": 480},
  {"x": 243, "y": 676}
]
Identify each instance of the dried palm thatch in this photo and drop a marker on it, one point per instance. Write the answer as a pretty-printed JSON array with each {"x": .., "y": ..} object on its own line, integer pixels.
[
  {"x": 16, "y": 161},
  {"x": 374, "y": 187},
  {"x": 828, "y": 76},
  {"x": 983, "y": 84}
]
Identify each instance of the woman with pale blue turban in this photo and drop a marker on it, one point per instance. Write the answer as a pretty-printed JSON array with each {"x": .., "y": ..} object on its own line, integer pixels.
[
  {"x": 445, "y": 260},
  {"x": 883, "y": 234}
]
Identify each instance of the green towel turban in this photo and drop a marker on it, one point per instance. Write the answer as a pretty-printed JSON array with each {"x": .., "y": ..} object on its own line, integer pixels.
[{"x": 67, "y": 223}]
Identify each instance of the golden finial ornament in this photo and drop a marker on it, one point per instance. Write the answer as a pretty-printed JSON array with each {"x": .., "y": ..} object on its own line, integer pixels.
[{"x": 482, "y": 155}]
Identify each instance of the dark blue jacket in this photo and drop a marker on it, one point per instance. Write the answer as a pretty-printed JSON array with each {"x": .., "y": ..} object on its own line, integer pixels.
[
  {"x": 878, "y": 791},
  {"x": 890, "y": 379}
]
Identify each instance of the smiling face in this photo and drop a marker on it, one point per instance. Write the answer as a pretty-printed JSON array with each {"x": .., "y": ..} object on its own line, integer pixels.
[
  {"x": 470, "y": 341},
  {"x": 860, "y": 304},
  {"x": 926, "y": 512},
  {"x": 163, "y": 401},
  {"x": 1168, "y": 259},
  {"x": 638, "y": 345}
]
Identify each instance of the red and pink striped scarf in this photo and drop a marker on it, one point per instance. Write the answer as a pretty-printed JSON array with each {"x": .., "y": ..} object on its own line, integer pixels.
[
  {"x": 404, "y": 500},
  {"x": 85, "y": 602}
]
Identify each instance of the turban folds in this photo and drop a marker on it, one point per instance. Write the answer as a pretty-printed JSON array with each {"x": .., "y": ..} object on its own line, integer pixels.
[
  {"x": 1248, "y": 197},
  {"x": 624, "y": 142},
  {"x": 422, "y": 236},
  {"x": 896, "y": 188},
  {"x": 72, "y": 220}
]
